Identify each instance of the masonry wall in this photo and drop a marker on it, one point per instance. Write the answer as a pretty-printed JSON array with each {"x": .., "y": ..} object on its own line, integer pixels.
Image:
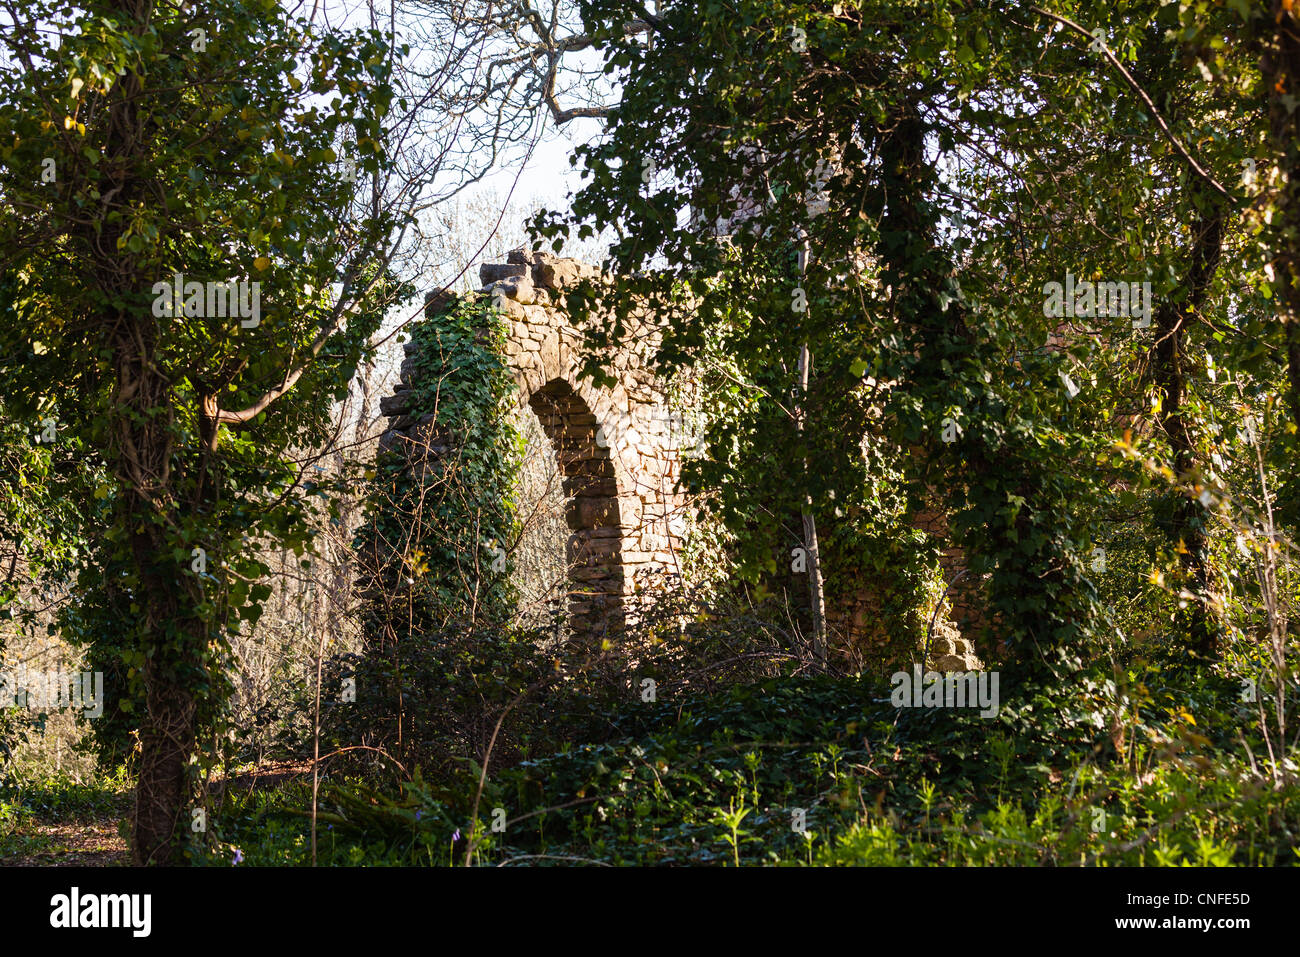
[
  {"x": 617, "y": 447},
  {"x": 619, "y": 450}
]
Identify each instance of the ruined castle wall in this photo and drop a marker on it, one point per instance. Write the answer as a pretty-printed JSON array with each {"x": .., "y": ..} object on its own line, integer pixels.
[
  {"x": 619, "y": 450},
  {"x": 616, "y": 446}
]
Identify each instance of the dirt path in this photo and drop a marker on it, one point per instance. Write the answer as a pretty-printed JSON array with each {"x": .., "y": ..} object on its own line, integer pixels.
[{"x": 94, "y": 843}]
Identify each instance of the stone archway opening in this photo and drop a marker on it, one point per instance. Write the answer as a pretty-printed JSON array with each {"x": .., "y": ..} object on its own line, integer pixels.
[
  {"x": 539, "y": 568},
  {"x": 595, "y": 546},
  {"x": 611, "y": 533}
]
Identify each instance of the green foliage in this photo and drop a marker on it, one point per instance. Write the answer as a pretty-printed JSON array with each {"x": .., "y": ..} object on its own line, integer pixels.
[
  {"x": 968, "y": 156},
  {"x": 916, "y": 787},
  {"x": 60, "y": 798},
  {"x": 429, "y": 529},
  {"x": 434, "y": 540},
  {"x": 942, "y": 142},
  {"x": 269, "y": 827},
  {"x": 56, "y": 799},
  {"x": 903, "y": 342},
  {"x": 1149, "y": 769},
  {"x": 133, "y": 151}
]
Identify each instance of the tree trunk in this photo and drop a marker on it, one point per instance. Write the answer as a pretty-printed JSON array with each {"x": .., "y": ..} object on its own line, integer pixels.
[
  {"x": 1280, "y": 66},
  {"x": 816, "y": 586},
  {"x": 169, "y": 633},
  {"x": 1186, "y": 527}
]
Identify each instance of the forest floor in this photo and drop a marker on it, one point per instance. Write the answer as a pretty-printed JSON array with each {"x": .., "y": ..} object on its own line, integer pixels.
[
  {"x": 86, "y": 839},
  {"x": 87, "y": 831},
  {"x": 94, "y": 843},
  {"x": 724, "y": 783}
]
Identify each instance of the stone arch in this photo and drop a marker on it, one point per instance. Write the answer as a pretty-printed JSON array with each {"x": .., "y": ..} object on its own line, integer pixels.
[
  {"x": 619, "y": 451},
  {"x": 619, "y": 447},
  {"x": 595, "y": 545}
]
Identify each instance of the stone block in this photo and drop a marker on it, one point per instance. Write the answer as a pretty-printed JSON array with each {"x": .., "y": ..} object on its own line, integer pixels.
[
  {"x": 561, "y": 274},
  {"x": 488, "y": 273},
  {"x": 399, "y": 403},
  {"x": 596, "y": 575},
  {"x": 508, "y": 306},
  {"x": 588, "y": 512},
  {"x": 956, "y": 663},
  {"x": 438, "y": 301},
  {"x": 522, "y": 290}
]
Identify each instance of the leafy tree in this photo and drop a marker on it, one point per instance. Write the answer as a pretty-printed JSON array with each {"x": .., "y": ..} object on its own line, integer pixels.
[
  {"x": 150, "y": 141},
  {"x": 964, "y": 156},
  {"x": 840, "y": 106}
]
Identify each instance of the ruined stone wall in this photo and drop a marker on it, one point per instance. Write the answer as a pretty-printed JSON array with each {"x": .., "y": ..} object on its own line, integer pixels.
[
  {"x": 616, "y": 447},
  {"x": 619, "y": 450}
]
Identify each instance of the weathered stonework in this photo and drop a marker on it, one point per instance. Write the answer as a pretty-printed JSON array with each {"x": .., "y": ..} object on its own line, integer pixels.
[
  {"x": 619, "y": 452},
  {"x": 616, "y": 447},
  {"x": 949, "y": 651},
  {"x": 963, "y": 611}
]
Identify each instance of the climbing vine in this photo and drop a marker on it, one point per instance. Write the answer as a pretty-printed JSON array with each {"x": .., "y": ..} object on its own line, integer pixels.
[{"x": 439, "y": 527}]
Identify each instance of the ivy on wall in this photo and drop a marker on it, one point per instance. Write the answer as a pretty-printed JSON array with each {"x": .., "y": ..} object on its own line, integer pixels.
[{"x": 435, "y": 543}]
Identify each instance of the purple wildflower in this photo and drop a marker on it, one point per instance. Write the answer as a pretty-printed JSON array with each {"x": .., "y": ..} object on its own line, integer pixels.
[{"x": 239, "y": 856}]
